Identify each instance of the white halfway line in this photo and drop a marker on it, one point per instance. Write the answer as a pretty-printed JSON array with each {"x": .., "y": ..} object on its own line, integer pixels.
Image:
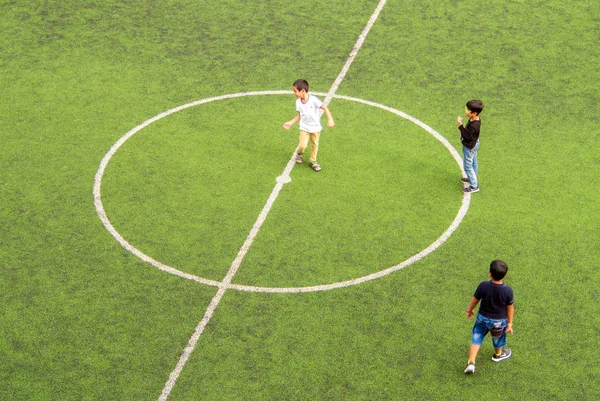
[{"x": 284, "y": 178}]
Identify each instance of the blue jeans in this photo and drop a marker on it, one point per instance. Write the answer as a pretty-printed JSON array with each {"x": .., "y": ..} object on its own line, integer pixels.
[
  {"x": 470, "y": 164},
  {"x": 497, "y": 327}
]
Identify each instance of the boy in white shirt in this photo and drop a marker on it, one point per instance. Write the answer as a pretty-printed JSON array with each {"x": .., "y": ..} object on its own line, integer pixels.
[{"x": 309, "y": 114}]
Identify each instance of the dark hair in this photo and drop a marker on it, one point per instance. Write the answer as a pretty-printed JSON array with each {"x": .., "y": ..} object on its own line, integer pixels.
[
  {"x": 498, "y": 269},
  {"x": 301, "y": 84},
  {"x": 476, "y": 106}
]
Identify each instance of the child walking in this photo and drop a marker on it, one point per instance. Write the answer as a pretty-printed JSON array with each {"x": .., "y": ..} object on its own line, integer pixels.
[
  {"x": 469, "y": 137},
  {"x": 309, "y": 114},
  {"x": 495, "y": 314}
]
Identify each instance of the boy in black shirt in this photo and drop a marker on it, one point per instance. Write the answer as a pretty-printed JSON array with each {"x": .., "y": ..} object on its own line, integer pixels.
[
  {"x": 469, "y": 137},
  {"x": 495, "y": 314}
]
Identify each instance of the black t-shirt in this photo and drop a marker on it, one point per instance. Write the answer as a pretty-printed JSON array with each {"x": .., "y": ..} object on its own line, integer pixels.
[
  {"x": 494, "y": 299},
  {"x": 469, "y": 134}
]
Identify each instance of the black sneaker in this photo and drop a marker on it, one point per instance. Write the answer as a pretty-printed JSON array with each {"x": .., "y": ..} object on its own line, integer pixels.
[
  {"x": 470, "y": 190},
  {"x": 470, "y": 368},
  {"x": 464, "y": 180},
  {"x": 505, "y": 354}
]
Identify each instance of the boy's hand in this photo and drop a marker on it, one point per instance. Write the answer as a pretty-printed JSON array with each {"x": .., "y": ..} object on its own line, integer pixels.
[
  {"x": 469, "y": 313},
  {"x": 330, "y": 123},
  {"x": 287, "y": 125},
  {"x": 509, "y": 329},
  {"x": 459, "y": 120}
]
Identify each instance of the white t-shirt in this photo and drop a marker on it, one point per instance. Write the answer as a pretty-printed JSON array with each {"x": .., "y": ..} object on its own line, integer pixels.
[{"x": 310, "y": 114}]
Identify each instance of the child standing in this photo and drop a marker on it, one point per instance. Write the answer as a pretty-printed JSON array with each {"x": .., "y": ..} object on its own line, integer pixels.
[
  {"x": 495, "y": 314},
  {"x": 309, "y": 114},
  {"x": 469, "y": 137}
]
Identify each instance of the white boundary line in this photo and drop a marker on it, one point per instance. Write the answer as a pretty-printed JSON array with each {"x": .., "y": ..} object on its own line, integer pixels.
[
  {"x": 281, "y": 180},
  {"x": 437, "y": 243},
  {"x": 261, "y": 218},
  {"x": 104, "y": 163},
  {"x": 361, "y": 38}
]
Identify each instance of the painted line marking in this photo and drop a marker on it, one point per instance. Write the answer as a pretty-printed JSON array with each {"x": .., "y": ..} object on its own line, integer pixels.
[
  {"x": 255, "y": 229},
  {"x": 282, "y": 179},
  {"x": 104, "y": 163},
  {"x": 354, "y": 52}
]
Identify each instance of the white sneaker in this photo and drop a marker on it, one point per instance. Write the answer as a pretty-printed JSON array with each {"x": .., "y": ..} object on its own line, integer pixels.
[{"x": 470, "y": 368}]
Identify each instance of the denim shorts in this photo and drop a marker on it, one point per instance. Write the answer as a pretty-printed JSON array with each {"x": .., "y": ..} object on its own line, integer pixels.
[{"x": 497, "y": 328}]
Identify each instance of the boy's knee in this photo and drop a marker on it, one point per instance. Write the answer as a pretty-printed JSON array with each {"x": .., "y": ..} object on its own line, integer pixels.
[{"x": 477, "y": 337}]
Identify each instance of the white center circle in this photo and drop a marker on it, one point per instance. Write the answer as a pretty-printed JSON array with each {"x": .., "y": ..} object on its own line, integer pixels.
[{"x": 439, "y": 241}]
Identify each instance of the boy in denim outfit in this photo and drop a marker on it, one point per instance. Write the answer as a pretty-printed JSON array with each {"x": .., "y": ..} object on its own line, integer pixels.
[
  {"x": 495, "y": 314},
  {"x": 469, "y": 137}
]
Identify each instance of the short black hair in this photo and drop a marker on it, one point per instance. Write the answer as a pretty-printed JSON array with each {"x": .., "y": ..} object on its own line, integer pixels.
[
  {"x": 301, "y": 84},
  {"x": 498, "y": 269},
  {"x": 476, "y": 106}
]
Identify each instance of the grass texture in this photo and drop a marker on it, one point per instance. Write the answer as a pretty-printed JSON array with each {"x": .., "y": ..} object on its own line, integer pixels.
[{"x": 83, "y": 319}]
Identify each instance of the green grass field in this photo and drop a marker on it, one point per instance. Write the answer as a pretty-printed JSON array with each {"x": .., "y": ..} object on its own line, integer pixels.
[{"x": 81, "y": 318}]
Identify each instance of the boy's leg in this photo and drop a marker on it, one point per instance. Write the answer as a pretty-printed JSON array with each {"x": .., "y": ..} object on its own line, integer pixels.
[
  {"x": 475, "y": 160},
  {"x": 302, "y": 144},
  {"x": 473, "y": 352},
  {"x": 479, "y": 331},
  {"x": 499, "y": 341},
  {"x": 468, "y": 157},
  {"x": 314, "y": 146}
]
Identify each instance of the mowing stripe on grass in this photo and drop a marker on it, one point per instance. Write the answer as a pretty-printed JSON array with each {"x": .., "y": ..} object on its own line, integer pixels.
[{"x": 255, "y": 229}]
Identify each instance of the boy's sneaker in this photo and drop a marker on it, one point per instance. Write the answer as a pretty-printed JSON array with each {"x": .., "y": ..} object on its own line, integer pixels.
[
  {"x": 505, "y": 354},
  {"x": 470, "y": 190},
  {"x": 464, "y": 180},
  {"x": 299, "y": 159},
  {"x": 470, "y": 368}
]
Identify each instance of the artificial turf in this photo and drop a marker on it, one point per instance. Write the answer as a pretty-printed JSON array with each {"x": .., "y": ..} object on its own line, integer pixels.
[{"x": 83, "y": 319}]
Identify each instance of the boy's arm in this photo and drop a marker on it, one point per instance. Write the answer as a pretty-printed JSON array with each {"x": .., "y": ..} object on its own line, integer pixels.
[
  {"x": 288, "y": 125},
  {"x": 472, "y": 305},
  {"x": 330, "y": 122},
  {"x": 510, "y": 311}
]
